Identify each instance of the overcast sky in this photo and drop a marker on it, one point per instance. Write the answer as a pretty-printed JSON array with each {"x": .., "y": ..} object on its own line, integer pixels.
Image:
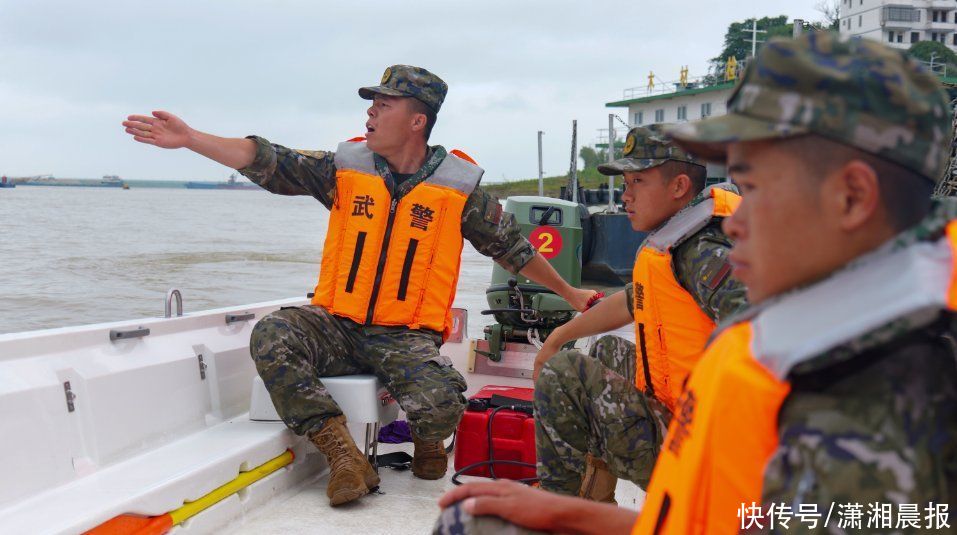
[{"x": 289, "y": 70}]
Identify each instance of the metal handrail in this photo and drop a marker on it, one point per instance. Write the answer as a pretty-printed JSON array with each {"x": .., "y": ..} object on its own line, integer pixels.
[{"x": 173, "y": 292}]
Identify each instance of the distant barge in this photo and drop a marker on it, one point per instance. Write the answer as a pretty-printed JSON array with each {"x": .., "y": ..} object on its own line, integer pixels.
[{"x": 232, "y": 183}]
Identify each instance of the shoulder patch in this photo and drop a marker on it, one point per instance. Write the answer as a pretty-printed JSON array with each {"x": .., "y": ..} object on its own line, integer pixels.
[
  {"x": 493, "y": 211},
  {"x": 716, "y": 273}
]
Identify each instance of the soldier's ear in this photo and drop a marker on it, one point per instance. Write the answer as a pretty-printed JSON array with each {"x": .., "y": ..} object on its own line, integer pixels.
[
  {"x": 854, "y": 195},
  {"x": 419, "y": 122},
  {"x": 681, "y": 185},
  {"x": 418, "y": 119}
]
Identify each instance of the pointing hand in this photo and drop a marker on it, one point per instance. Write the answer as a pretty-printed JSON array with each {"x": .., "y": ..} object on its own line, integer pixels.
[{"x": 163, "y": 129}]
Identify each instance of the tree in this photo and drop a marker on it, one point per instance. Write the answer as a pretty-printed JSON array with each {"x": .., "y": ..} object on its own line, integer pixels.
[
  {"x": 737, "y": 40},
  {"x": 590, "y": 157},
  {"x": 942, "y": 55},
  {"x": 831, "y": 10},
  {"x": 735, "y": 43}
]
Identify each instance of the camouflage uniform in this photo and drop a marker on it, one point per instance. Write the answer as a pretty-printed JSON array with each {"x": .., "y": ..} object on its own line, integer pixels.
[
  {"x": 874, "y": 420},
  {"x": 590, "y": 404},
  {"x": 293, "y": 347},
  {"x": 296, "y": 345}
]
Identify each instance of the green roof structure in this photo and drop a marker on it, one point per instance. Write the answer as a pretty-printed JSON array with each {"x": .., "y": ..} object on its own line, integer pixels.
[{"x": 674, "y": 94}]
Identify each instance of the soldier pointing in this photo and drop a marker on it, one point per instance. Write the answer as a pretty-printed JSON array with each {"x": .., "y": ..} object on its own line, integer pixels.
[{"x": 399, "y": 211}]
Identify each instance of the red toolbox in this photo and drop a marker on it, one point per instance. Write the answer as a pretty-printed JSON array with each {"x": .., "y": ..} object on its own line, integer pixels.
[{"x": 513, "y": 433}]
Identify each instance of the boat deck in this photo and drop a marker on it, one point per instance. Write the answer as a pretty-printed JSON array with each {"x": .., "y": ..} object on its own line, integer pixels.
[{"x": 405, "y": 504}]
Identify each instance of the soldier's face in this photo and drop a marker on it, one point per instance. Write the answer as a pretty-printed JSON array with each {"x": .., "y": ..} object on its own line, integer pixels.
[
  {"x": 390, "y": 124},
  {"x": 649, "y": 201},
  {"x": 781, "y": 239}
]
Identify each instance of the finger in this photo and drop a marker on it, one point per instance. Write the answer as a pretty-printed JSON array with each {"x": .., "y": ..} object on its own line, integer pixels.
[
  {"x": 455, "y": 495},
  {"x": 138, "y": 125},
  {"x": 139, "y": 132},
  {"x": 164, "y": 115},
  {"x": 488, "y": 506},
  {"x": 142, "y": 118},
  {"x": 491, "y": 488},
  {"x": 143, "y": 127},
  {"x": 146, "y": 140}
]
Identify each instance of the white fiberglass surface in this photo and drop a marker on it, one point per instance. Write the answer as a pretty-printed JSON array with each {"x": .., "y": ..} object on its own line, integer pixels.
[{"x": 406, "y": 505}]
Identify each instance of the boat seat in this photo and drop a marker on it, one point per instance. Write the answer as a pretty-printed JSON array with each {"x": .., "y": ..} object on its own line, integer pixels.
[{"x": 362, "y": 399}]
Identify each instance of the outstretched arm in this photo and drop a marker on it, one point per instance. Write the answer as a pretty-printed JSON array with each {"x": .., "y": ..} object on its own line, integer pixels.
[
  {"x": 538, "y": 270},
  {"x": 610, "y": 314},
  {"x": 275, "y": 168},
  {"x": 165, "y": 130}
]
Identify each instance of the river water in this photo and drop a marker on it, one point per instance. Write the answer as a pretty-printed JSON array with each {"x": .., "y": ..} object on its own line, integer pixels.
[{"x": 74, "y": 256}]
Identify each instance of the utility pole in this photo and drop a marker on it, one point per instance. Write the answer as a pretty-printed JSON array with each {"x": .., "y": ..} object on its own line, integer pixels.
[
  {"x": 754, "y": 37},
  {"x": 612, "y": 207},
  {"x": 573, "y": 173},
  {"x": 541, "y": 176}
]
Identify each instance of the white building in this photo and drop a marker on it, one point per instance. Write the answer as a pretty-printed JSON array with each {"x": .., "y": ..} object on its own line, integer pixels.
[
  {"x": 677, "y": 106},
  {"x": 901, "y": 23},
  {"x": 667, "y": 104}
]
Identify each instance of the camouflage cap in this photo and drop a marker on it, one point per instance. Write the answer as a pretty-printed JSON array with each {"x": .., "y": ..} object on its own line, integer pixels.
[
  {"x": 409, "y": 81},
  {"x": 854, "y": 91},
  {"x": 645, "y": 147}
]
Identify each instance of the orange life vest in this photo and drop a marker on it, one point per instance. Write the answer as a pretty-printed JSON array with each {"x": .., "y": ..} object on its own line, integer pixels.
[
  {"x": 394, "y": 261},
  {"x": 670, "y": 328},
  {"x": 725, "y": 429}
]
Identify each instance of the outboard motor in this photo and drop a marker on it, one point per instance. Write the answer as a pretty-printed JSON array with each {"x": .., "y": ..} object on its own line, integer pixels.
[{"x": 526, "y": 312}]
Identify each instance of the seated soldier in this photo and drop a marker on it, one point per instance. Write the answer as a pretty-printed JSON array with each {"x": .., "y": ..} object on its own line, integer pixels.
[
  {"x": 612, "y": 406},
  {"x": 399, "y": 212},
  {"x": 839, "y": 387}
]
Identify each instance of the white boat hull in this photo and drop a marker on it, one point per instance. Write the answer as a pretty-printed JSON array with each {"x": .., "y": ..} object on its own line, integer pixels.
[{"x": 146, "y": 426}]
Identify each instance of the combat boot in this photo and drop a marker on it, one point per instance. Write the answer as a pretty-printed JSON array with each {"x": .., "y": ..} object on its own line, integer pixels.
[
  {"x": 598, "y": 484},
  {"x": 350, "y": 474},
  {"x": 429, "y": 461}
]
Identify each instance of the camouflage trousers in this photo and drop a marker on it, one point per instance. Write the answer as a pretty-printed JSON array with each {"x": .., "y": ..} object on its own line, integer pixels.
[
  {"x": 589, "y": 404},
  {"x": 294, "y": 347}
]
